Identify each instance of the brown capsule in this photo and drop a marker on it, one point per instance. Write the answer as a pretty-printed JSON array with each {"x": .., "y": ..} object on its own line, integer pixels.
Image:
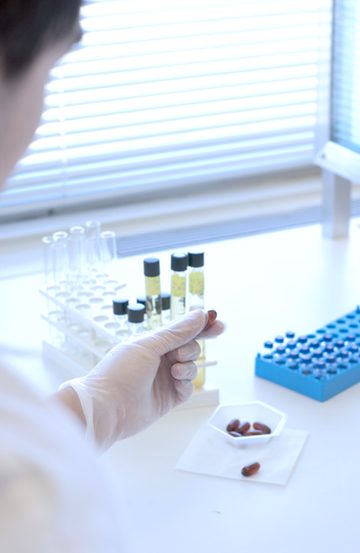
[
  {"x": 254, "y": 433},
  {"x": 265, "y": 429},
  {"x": 249, "y": 470},
  {"x": 234, "y": 434},
  {"x": 244, "y": 428},
  {"x": 233, "y": 425},
  {"x": 211, "y": 314}
]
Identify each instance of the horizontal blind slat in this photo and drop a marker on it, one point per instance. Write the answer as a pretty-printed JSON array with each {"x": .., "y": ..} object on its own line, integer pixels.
[
  {"x": 276, "y": 92},
  {"x": 180, "y": 140},
  {"x": 150, "y": 155},
  {"x": 209, "y": 112}
]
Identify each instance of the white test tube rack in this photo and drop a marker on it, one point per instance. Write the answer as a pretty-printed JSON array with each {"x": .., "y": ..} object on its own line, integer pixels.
[
  {"x": 69, "y": 327},
  {"x": 79, "y": 315},
  {"x": 77, "y": 342}
]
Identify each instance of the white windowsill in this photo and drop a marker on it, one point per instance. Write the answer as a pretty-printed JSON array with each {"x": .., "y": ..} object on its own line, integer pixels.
[{"x": 20, "y": 243}]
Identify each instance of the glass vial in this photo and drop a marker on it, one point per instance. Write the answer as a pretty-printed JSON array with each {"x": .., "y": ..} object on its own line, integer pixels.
[
  {"x": 179, "y": 263},
  {"x": 77, "y": 259},
  {"x": 196, "y": 280},
  {"x": 120, "y": 310},
  {"x": 61, "y": 258},
  {"x": 196, "y": 301},
  {"x": 142, "y": 300},
  {"x": 136, "y": 314},
  {"x": 48, "y": 258},
  {"x": 165, "y": 308},
  {"x": 52, "y": 288},
  {"x": 92, "y": 245},
  {"x": 152, "y": 291},
  {"x": 108, "y": 253}
]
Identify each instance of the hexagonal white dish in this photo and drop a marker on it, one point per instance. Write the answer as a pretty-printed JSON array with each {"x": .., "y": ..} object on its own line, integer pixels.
[{"x": 252, "y": 411}]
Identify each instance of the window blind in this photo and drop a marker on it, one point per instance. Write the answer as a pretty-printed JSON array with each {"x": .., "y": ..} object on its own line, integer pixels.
[
  {"x": 171, "y": 93},
  {"x": 345, "y": 89}
]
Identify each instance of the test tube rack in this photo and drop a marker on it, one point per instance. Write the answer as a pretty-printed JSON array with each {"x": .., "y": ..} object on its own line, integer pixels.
[
  {"x": 318, "y": 365},
  {"x": 80, "y": 323},
  {"x": 81, "y": 330}
]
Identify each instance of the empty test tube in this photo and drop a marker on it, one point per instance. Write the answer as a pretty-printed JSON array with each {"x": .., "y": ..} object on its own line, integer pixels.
[
  {"x": 107, "y": 250},
  {"x": 61, "y": 257},
  {"x": 77, "y": 258},
  {"x": 92, "y": 245},
  {"x": 47, "y": 246},
  {"x": 54, "y": 314}
]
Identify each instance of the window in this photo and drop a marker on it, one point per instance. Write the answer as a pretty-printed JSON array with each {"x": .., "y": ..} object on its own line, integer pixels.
[
  {"x": 346, "y": 76},
  {"x": 339, "y": 156},
  {"x": 176, "y": 93}
]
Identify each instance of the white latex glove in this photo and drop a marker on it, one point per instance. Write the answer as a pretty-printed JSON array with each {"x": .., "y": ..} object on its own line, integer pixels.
[{"x": 140, "y": 380}]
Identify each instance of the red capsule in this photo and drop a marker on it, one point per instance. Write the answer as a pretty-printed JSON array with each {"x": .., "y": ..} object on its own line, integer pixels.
[
  {"x": 253, "y": 433},
  {"x": 211, "y": 314},
  {"x": 244, "y": 428},
  {"x": 250, "y": 470},
  {"x": 233, "y": 425},
  {"x": 265, "y": 429}
]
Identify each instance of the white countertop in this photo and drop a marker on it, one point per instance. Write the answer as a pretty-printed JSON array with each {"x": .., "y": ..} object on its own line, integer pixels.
[{"x": 261, "y": 286}]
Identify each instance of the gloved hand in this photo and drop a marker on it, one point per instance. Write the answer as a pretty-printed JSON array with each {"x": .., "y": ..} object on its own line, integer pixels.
[{"x": 140, "y": 380}]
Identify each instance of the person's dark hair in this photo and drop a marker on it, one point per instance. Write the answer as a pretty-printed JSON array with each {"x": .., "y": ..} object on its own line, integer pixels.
[{"x": 27, "y": 26}]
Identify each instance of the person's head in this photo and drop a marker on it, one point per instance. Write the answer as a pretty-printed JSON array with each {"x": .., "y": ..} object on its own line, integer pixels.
[{"x": 33, "y": 35}]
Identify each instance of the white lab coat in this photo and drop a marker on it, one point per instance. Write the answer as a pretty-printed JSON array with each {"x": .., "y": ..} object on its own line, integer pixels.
[{"x": 54, "y": 494}]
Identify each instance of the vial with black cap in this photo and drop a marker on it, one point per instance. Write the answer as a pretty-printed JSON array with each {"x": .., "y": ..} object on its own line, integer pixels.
[
  {"x": 120, "y": 310},
  {"x": 152, "y": 291},
  {"x": 196, "y": 301},
  {"x": 196, "y": 280},
  {"x": 179, "y": 264},
  {"x": 136, "y": 316},
  {"x": 165, "y": 307}
]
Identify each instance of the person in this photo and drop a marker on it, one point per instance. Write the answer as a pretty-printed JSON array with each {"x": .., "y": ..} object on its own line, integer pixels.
[{"x": 54, "y": 494}]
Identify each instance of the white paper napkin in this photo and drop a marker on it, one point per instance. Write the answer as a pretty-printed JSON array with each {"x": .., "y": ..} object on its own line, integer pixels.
[{"x": 209, "y": 453}]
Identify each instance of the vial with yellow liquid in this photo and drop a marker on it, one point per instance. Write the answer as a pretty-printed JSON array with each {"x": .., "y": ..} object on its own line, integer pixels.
[
  {"x": 152, "y": 291},
  {"x": 179, "y": 263},
  {"x": 196, "y": 301}
]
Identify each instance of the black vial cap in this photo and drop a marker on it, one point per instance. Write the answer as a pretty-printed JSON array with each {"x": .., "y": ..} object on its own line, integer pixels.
[
  {"x": 151, "y": 267},
  {"x": 179, "y": 261},
  {"x": 120, "y": 306},
  {"x": 142, "y": 300},
  {"x": 136, "y": 312},
  {"x": 165, "y": 301},
  {"x": 196, "y": 259}
]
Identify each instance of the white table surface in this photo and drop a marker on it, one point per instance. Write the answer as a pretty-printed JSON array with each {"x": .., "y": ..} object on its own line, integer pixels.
[{"x": 261, "y": 286}]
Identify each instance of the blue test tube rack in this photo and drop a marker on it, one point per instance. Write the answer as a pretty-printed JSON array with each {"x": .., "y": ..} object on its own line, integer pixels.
[{"x": 318, "y": 365}]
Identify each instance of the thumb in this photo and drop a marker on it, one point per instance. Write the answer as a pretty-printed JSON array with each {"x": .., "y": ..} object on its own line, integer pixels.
[{"x": 177, "y": 333}]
